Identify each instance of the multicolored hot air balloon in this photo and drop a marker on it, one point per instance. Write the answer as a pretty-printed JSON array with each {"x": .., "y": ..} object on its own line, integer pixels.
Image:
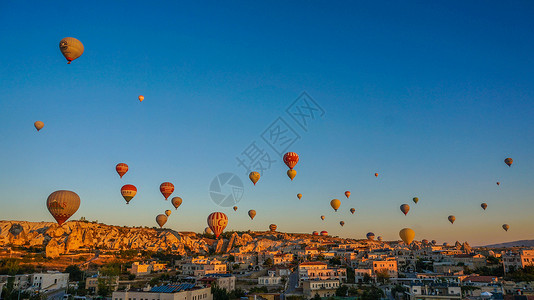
[
  {"x": 217, "y": 222},
  {"x": 352, "y": 210},
  {"x": 405, "y": 208},
  {"x": 434, "y": 242},
  {"x": 347, "y": 194},
  {"x": 509, "y": 161},
  {"x": 291, "y": 174},
  {"x": 291, "y": 159},
  {"x": 166, "y": 189},
  {"x": 161, "y": 220},
  {"x": 379, "y": 238},
  {"x": 415, "y": 200},
  {"x": 452, "y": 219},
  {"x": 168, "y": 212},
  {"x": 446, "y": 244},
  {"x": 407, "y": 235},
  {"x": 335, "y": 203},
  {"x": 121, "y": 169},
  {"x": 341, "y": 223},
  {"x": 252, "y": 214},
  {"x": 141, "y": 98},
  {"x": 324, "y": 233},
  {"x": 71, "y": 48},
  {"x": 370, "y": 236},
  {"x": 299, "y": 195},
  {"x": 128, "y": 191},
  {"x": 376, "y": 174},
  {"x": 254, "y": 177},
  {"x": 484, "y": 206},
  {"x": 315, "y": 233},
  {"x": 207, "y": 230},
  {"x": 505, "y": 227},
  {"x": 38, "y": 125},
  {"x": 176, "y": 202},
  {"x": 62, "y": 205},
  {"x": 322, "y": 217},
  {"x": 235, "y": 208},
  {"x": 272, "y": 227}
]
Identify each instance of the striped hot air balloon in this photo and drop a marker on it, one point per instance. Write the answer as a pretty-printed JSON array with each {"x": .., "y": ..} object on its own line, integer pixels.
[
  {"x": 62, "y": 205},
  {"x": 291, "y": 159},
  {"x": 217, "y": 222},
  {"x": 166, "y": 189},
  {"x": 324, "y": 233},
  {"x": 128, "y": 191},
  {"x": 121, "y": 169},
  {"x": 272, "y": 227}
]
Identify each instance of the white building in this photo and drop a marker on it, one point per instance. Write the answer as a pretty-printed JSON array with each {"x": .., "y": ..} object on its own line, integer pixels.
[
  {"x": 184, "y": 291},
  {"x": 325, "y": 288},
  {"x": 49, "y": 281},
  {"x": 225, "y": 281},
  {"x": 269, "y": 280}
]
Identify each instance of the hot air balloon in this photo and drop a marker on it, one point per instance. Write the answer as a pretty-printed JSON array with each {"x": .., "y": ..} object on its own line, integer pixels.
[
  {"x": 315, "y": 233},
  {"x": 217, "y": 221},
  {"x": 352, "y": 210},
  {"x": 235, "y": 208},
  {"x": 299, "y": 195},
  {"x": 252, "y": 214},
  {"x": 379, "y": 238},
  {"x": 324, "y": 233},
  {"x": 370, "y": 236},
  {"x": 322, "y": 217},
  {"x": 407, "y": 235},
  {"x": 207, "y": 230},
  {"x": 254, "y": 177},
  {"x": 128, "y": 191},
  {"x": 424, "y": 241},
  {"x": 405, "y": 208},
  {"x": 498, "y": 183},
  {"x": 291, "y": 174},
  {"x": 62, "y": 205},
  {"x": 341, "y": 223},
  {"x": 452, "y": 219},
  {"x": 38, "y": 125},
  {"x": 335, "y": 203},
  {"x": 176, "y": 202},
  {"x": 434, "y": 242},
  {"x": 291, "y": 159},
  {"x": 505, "y": 227},
  {"x": 141, "y": 98},
  {"x": 376, "y": 174},
  {"x": 71, "y": 48},
  {"x": 484, "y": 206},
  {"x": 445, "y": 244},
  {"x": 168, "y": 212},
  {"x": 509, "y": 161},
  {"x": 272, "y": 227},
  {"x": 415, "y": 200},
  {"x": 121, "y": 169},
  {"x": 166, "y": 189},
  {"x": 347, "y": 194},
  {"x": 161, "y": 220}
]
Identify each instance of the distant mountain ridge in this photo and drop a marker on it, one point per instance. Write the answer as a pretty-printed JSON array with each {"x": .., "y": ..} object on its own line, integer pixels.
[{"x": 521, "y": 243}]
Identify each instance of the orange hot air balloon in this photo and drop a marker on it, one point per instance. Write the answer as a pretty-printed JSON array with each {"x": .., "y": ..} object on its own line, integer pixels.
[
  {"x": 291, "y": 174},
  {"x": 505, "y": 227},
  {"x": 166, "y": 189},
  {"x": 352, "y": 210},
  {"x": 509, "y": 161},
  {"x": 121, "y": 169},
  {"x": 176, "y": 202},
  {"x": 484, "y": 206},
  {"x": 452, "y": 219},
  {"x": 335, "y": 203},
  {"x": 405, "y": 208},
  {"x": 407, "y": 235},
  {"x": 71, "y": 48},
  {"x": 217, "y": 222},
  {"x": 62, "y": 205},
  {"x": 347, "y": 194},
  {"x": 322, "y": 218},
  {"x": 376, "y": 174},
  {"x": 324, "y": 233},
  {"x": 161, "y": 220},
  {"x": 235, "y": 208},
  {"x": 498, "y": 183},
  {"x": 128, "y": 191},
  {"x": 299, "y": 195},
  {"x": 168, "y": 212},
  {"x": 254, "y": 177},
  {"x": 141, "y": 98},
  {"x": 38, "y": 125},
  {"x": 291, "y": 159},
  {"x": 341, "y": 223},
  {"x": 252, "y": 214},
  {"x": 207, "y": 230},
  {"x": 415, "y": 200},
  {"x": 272, "y": 227}
]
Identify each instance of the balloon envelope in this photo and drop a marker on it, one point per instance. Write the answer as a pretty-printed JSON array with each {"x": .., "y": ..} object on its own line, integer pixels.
[
  {"x": 272, "y": 227},
  {"x": 291, "y": 174},
  {"x": 217, "y": 222},
  {"x": 207, "y": 230},
  {"x": 452, "y": 219},
  {"x": 38, "y": 125},
  {"x": 168, "y": 212},
  {"x": 141, "y": 98},
  {"x": 415, "y": 200},
  {"x": 121, "y": 169},
  {"x": 509, "y": 161},
  {"x": 505, "y": 227},
  {"x": 376, "y": 174},
  {"x": 252, "y": 214},
  {"x": 235, "y": 208},
  {"x": 379, "y": 238},
  {"x": 405, "y": 208},
  {"x": 176, "y": 202},
  {"x": 370, "y": 236},
  {"x": 299, "y": 195},
  {"x": 324, "y": 233},
  {"x": 352, "y": 210},
  {"x": 128, "y": 191},
  {"x": 315, "y": 233},
  {"x": 498, "y": 183},
  {"x": 335, "y": 203},
  {"x": 62, "y": 205},
  {"x": 341, "y": 223},
  {"x": 484, "y": 206},
  {"x": 71, "y": 48},
  {"x": 347, "y": 194},
  {"x": 407, "y": 235},
  {"x": 166, "y": 189},
  {"x": 161, "y": 220},
  {"x": 322, "y": 217},
  {"x": 291, "y": 159},
  {"x": 254, "y": 177}
]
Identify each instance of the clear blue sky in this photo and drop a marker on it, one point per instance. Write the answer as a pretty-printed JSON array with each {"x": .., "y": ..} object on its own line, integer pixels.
[{"x": 431, "y": 95}]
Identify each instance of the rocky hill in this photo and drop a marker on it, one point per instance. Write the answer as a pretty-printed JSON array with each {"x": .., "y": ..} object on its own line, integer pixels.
[{"x": 521, "y": 243}]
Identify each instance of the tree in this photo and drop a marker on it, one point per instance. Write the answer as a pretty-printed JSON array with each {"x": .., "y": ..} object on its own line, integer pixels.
[
  {"x": 109, "y": 274},
  {"x": 366, "y": 278},
  {"x": 219, "y": 293},
  {"x": 268, "y": 262},
  {"x": 382, "y": 276},
  {"x": 398, "y": 290},
  {"x": 75, "y": 273},
  {"x": 231, "y": 258},
  {"x": 372, "y": 293},
  {"x": 342, "y": 290},
  {"x": 316, "y": 297},
  {"x": 350, "y": 275},
  {"x": 335, "y": 261}
]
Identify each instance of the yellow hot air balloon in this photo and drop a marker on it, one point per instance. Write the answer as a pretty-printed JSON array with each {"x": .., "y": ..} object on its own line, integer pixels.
[
  {"x": 207, "y": 230},
  {"x": 71, "y": 48},
  {"x": 161, "y": 220},
  {"x": 168, "y": 212},
  {"x": 254, "y": 177},
  {"x": 335, "y": 203},
  {"x": 291, "y": 173},
  {"x": 252, "y": 214},
  {"x": 141, "y": 98},
  {"x": 415, "y": 200},
  {"x": 322, "y": 218},
  {"x": 235, "y": 208},
  {"x": 407, "y": 235},
  {"x": 272, "y": 227},
  {"x": 299, "y": 195},
  {"x": 62, "y": 205},
  {"x": 452, "y": 219},
  {"x": 505, "y": 227},
  {"x": 176, "y": 202},
  {"x": 38, "y": 125}
]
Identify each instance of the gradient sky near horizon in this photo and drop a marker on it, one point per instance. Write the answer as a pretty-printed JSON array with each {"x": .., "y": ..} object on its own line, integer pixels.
[{"x": 431, "y": 95}]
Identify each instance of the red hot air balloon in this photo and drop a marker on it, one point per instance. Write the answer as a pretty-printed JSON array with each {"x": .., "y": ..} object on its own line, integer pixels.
[
  {"x": 324, "y": 233},
  {"x": 166, "y": 189},
  {"x": 291, "y": 159},
  {"x": 121, "y": 168},
  {"x": 347, "y": 194},
  {"x": 217, "y": 222},
  {"x": 128, "y": 191},
  {"x": 62, "y": 205},
  {"x": 376, "y": 174},
  {"x": 315, "y": 233},
  {"x": 509, "y": 161},
  {"x": 498, "y": 183}
]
